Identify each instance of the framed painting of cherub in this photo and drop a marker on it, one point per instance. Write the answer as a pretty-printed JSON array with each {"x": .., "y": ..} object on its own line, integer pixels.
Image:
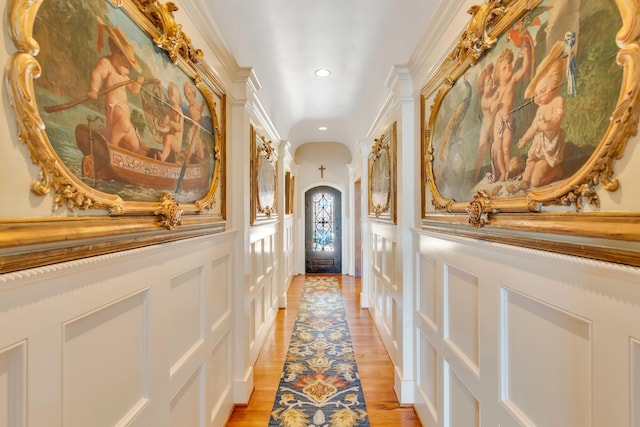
[
  {"x": 128, "y": 113},
  {"x": 125, "y": 121},
  {"x": 528, "y": 114}
]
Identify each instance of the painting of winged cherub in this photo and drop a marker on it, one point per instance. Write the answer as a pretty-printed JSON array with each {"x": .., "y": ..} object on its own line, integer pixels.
[
  {"x": 120, "y": 115},
  {"x": 534, "y": 107}
]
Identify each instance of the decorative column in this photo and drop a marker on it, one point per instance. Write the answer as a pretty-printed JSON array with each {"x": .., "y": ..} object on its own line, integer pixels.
[
  {"x": 283, "y": 274},
  {"x": 238, "y": 219},
  {"x": 351, "y": 224},
  {"x": 408, "y": 152},
  {"x": 365, "y": 149}
]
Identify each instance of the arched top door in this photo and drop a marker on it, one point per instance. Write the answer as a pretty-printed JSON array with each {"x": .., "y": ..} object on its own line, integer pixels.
[{"x": 323, "y": 230}]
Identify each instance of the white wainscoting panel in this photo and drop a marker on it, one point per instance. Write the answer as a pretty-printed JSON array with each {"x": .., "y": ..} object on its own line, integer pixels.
[
  {"x": 461, "y": 406},
  {"x": 385, "y": 293},
  {"x": 427, "y": 372},
  {"x": 187, "y": 406},
  {"x": 635, "y": 382},
  {"x": 219, "y": 380},
  {"x": 262, "y": 296},
  {"x": 529, "y": 338},
  {"x": 219, "y": 297},
  {"x": 105, "y": 359},
  {"x": 287, "y": 251},
  {"x": 542, "y": 345},
  {"x": 427, "y": 291},
  {"x": 137, "y": 338},
  {"x": 13, "y": 385},
  {"x": 461, "y": 315},
  {"x": 186, "y": 316}
]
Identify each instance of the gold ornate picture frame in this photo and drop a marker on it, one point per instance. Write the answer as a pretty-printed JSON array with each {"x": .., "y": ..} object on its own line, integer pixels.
[
  {"x": 264, "y": 179},
  {"x": 289, "y": 188},
  {"x": 523, "y": 121},
  {"x": 124, "y": 120},
  {"x": 382, "y": 176}
]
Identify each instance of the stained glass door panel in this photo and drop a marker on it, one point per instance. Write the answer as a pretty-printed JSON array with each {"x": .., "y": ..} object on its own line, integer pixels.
[{"x": 323, "y": 230}]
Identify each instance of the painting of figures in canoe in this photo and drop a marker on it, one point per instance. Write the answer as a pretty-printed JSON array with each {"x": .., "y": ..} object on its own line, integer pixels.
[
  {"x": 530, "y": 111},
  {"x": 120, "y": 114}
]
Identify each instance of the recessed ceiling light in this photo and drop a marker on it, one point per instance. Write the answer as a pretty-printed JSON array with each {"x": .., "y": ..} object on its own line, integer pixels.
[
  {"x": 322, "y": 128},
  {"x": 322, "y": 72}
]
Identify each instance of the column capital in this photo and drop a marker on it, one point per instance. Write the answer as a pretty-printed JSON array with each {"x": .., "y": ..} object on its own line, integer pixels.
[
  {"x": 364, "y": 146},
  {"x": 400, "y": 81}
]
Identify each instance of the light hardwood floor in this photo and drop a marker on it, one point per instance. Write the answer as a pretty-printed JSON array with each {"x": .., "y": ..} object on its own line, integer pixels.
[{"x": 374, "y": 365}]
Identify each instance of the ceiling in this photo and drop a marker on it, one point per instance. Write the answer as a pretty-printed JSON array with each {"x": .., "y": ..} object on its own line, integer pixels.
[{"x": 285, "y": 41}]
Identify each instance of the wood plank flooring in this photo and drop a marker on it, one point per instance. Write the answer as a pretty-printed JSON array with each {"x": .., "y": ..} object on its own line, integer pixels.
[{"x": 374, "y": 365}]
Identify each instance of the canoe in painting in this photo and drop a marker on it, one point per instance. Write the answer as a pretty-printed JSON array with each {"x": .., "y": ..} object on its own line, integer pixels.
[{"x": 103, "y": 160}]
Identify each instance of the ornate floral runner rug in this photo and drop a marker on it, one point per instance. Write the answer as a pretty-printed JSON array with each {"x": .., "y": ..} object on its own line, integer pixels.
[{"x": 320, "y": 386}]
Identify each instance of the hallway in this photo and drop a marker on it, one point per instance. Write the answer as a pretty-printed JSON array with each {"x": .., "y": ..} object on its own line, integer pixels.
[{"x": 374, "y": 365}]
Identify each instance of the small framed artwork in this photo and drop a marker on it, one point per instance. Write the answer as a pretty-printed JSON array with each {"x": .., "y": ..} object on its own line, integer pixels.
[
  {"x": 289, "y": 188},
  {"x": 124, "y": 119},
  {"x": 264, "y": 178},
  {"x": 382, "y": 176},
  {"x": 524, "y": 120}
]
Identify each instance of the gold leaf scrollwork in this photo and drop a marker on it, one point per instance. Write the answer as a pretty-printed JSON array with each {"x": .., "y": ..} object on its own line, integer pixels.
[
  {"x": 578, "y": 194},
  {"x": 475, "y": 39},
  {"x": 429, "y": 151},
  {"x": 266, "y": 148},
  {"x": 171, "y": 39},
  {"x": 479, "y": 209},
  {"x": 71, "y": 197},
  {"x": 201, "y": 207},
  {"x": 377, "y": 148},
  {"x": 170, "y": 212}
]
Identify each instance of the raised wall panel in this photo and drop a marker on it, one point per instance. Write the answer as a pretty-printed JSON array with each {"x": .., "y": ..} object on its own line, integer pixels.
[
  {"x": 378, "y": 247},
  {"x": 461, "y": 315},
  {"x": 545, "y": 363},
  {"x": 428, "y": 373},
  {"x": 388, "y": 264},
  {"x": 635, "y": 383},
  {"x": 397, "y": 324},
  {"x": 259, "y": 309},
  {"x": 427, "y": 289},
  {"x": 221, "y": 369},
  {"x": 218, "y": 292},
  {"x": 252, "y": 322},
  {"x": 388, "y": 310},
  {"x": 268, "y": 252},
  {"x": 187, "y": 405},
  {"x": 461, "y": 406},
  {"x": 13, "y": 385},
  {"x": 274, "y": 290},
  {"x": 186, "y": 315},
  {"x": 256, "y": 260},
  {"x": 377, "y": 294},
  {"x": 105, "y": 378}
]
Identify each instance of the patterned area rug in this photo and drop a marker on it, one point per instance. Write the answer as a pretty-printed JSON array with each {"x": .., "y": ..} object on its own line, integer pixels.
[{"x": 320, "y": 386}]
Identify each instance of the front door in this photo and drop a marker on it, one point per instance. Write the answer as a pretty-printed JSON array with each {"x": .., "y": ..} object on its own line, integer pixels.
[{"x": 323, "y": 230}]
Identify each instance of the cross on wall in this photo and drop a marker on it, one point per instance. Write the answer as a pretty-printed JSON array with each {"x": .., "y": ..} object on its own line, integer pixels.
[{"x": 322, "y": 169}]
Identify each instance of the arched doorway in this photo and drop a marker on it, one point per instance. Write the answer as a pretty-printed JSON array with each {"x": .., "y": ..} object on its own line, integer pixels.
[{"x": 323, "y": 230}]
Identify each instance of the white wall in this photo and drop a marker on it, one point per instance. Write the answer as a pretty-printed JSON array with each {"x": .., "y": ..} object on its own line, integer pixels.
[
  {"x": 511, "y": 336},
  {"x": 387, "y": 246},
  {"x": 489, "y": 334},
  {"x": 164, "y": 335},
  {"x": 336, "y": 158},
  {"x": 142, "y": 337},
  {"x": 265, "y": 245}
]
